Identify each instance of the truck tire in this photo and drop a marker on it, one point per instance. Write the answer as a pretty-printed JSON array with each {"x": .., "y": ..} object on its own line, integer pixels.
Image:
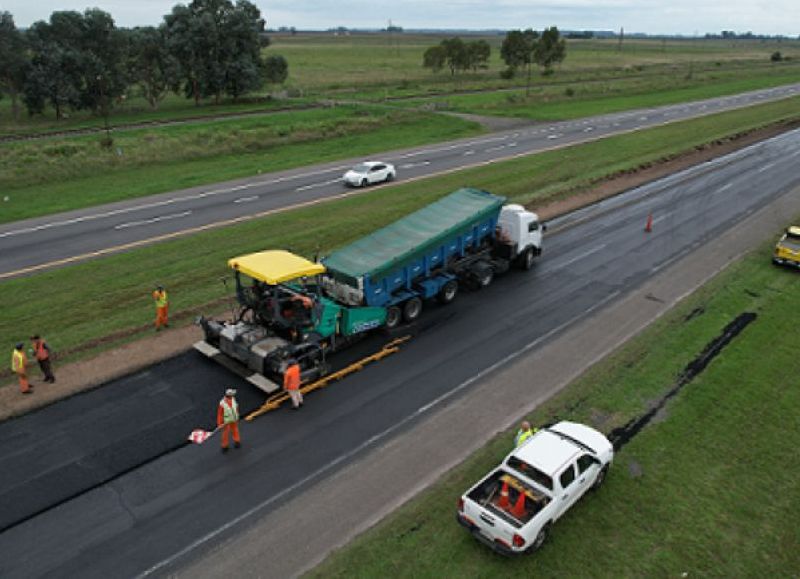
[
  {"x": 412, "y": 309},
  {"x": 448, "y": 292},
  {"x": 484, "y": 277},
  {"x": 540, "y": 539},
  {"x": 393, "y": 317},
  {"x": 526, "y": 259}
]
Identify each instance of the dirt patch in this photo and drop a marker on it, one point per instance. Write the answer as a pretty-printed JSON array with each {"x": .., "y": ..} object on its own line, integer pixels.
[
  {"x": 79, "y": 376},
  {"x": 619, "y": 437}
]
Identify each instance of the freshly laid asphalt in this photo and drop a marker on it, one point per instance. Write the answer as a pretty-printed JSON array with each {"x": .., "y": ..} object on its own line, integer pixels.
[
  {"x": 41, "y": 243},
  {"x": 102, "y": 484}
]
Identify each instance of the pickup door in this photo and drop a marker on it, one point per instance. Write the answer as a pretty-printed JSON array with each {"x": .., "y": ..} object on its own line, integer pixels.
[{"x": 574, "y": 480}]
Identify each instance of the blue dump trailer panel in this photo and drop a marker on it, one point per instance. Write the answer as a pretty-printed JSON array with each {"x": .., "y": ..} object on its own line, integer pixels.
[{"x": 402, "y": 259}]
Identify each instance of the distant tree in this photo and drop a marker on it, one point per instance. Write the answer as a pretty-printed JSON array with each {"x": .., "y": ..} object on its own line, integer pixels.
[
  {"x": 434, "y": 58},
  {"x": 103, "y": 53},
  {"x": 14, "y": 61},
  {"x": 776, "y": 56},
  {"x": 456, "y": 56},
  {"x": 150, "y": 64},
  {"x": 276, "y": 69},
  {"x": 517, "y": 52},
  {"x": 550, "y": 49},
  {"x": 478, "y": 52}
]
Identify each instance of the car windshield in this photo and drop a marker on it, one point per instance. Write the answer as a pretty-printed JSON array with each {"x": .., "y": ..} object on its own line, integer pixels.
[{"x": 361, "y": 168}]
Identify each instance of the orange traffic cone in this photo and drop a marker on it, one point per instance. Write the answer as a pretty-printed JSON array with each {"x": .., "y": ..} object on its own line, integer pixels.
[
  {"x": 519, "y": 507},
  {"x": 504, "y": 503},
  {"x": 649, "y": 226}
]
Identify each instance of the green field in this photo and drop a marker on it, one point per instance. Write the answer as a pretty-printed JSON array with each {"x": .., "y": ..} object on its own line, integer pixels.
[
  {"x": 47, "y": 176},
  {"x": 708, "y": 489},
  {"x": 110, "y": 296}
]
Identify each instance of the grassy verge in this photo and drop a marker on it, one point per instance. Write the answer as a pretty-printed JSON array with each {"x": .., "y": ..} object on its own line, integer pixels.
[
  {"x": 99, "y": 298},
  {"x": 707, "y": 489},
  {"x": 43, "y": 177}
]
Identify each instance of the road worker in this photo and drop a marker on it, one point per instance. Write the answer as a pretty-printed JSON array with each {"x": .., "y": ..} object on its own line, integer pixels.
[
  {"x": 162, "y": 304},
  {"x": 291, "y": 383},
  {"x": 228, "y": 419},
  {"x": 524, "y": 433},
  {"x": 19, "y": 365},
  {"x": 41, "y": 351}
]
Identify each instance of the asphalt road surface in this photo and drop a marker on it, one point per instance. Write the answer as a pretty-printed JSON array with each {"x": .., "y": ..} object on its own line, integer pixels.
[
  {"x": 102, "y": 484},
  {"x": 41, "y": 243}
]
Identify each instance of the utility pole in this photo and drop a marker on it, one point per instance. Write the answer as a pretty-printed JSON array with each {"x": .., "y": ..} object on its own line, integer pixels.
[{"x": 621, "y": 38}]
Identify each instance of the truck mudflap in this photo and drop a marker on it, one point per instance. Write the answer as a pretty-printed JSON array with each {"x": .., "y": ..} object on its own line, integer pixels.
[{"x": 261, "y": 382}]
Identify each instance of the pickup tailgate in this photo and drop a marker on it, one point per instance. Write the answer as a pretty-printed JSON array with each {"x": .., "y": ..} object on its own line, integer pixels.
[{"x": 493, "y": 512}]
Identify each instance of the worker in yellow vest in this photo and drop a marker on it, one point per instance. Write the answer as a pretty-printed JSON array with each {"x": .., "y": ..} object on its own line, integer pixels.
[
  {"x": 228, "y": 419},
  {"x": 19, "y": 365},
  {"x": 524, "y": 433},
  {"x": 162, "y": 304}
]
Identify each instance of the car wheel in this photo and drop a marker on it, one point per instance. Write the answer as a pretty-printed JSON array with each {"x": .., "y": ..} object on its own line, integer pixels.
[
  {"x": 389, "y": 177},
  {"x": 412, "y": 309},
  {"x": 364, "y": 183},
  {"x": 448, "y": 292},
  {"x": 601, "y": 477},
  {"x": 540, "y": 539},
  {"x": 393, "y": 317}
]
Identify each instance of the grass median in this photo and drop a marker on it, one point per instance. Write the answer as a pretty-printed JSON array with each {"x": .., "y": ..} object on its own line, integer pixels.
[
  {"x": 110, "y": 297},
  {"x": 705, "y": 489}
]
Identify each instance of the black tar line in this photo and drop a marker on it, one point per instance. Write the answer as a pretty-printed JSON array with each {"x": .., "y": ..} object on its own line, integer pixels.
[{"x": 620, "y": 436}]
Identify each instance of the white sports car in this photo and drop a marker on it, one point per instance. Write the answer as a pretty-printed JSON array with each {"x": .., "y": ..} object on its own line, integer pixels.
[{"x": 369, "y": 172}]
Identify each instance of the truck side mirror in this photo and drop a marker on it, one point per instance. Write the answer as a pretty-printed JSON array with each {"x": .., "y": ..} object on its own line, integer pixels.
[{"x": 544, "y": 227}]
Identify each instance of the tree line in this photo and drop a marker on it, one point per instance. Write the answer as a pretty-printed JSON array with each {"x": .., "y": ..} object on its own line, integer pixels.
[
  {"x": 520, "y": 51},
  {"x": 82, "y": 61}
]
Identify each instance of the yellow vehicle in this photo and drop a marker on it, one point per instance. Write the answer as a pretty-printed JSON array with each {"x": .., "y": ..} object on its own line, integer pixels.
[{"x": 787, "y": 250}]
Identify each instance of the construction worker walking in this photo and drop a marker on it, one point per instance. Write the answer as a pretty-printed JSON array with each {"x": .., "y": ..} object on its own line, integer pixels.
[
  {"x": 19, "y": 365},
  {"x": 228, "y": 419},
  {"x": 524, "y": 433},
  {"x": 162, "y": 305},
  {"x": 41, "y": 351},
  {"x": 291, "y": 383}
]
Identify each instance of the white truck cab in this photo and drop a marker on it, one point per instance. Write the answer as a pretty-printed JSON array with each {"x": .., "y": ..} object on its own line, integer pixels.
[
  {"x": 521, "y": 227},
  {"x": 512, "y": 508}
]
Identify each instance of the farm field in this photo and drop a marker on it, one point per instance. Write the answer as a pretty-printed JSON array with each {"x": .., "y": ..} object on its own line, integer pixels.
[
  {"x": 685, "y": 493},
  {"x": 102, "y": 302}
]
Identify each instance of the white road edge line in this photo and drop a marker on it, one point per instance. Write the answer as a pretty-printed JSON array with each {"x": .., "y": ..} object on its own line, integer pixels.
[
  {"x": 380, "y": 436},
  {"x": 153, "y": 220},
  {"x": 246, "y": 199},
  {"x": 305, "y": 187}
]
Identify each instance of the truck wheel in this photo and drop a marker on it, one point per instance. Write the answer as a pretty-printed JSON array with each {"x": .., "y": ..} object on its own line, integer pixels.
[
  {"x": 393, "y": 317},
  {"x": 412, "y": 309},
  {"x": 448, "y": 292},
  {"x": 526, "y": 260},
  {"x": 540, "y": 539},
  {"x": 484, "y": 277}
]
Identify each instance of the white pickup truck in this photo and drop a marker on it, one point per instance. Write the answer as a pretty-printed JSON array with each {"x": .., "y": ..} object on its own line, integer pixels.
[{"x": 512, "y": 508}]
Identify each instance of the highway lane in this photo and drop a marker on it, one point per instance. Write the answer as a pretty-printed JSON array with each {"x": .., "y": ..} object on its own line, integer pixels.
[
  {"x": 41, "y": 243},
  {"x": 153, "y": 515}
]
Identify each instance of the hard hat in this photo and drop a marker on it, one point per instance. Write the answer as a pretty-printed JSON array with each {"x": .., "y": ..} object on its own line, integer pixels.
[{"x": 230, "y": 392}]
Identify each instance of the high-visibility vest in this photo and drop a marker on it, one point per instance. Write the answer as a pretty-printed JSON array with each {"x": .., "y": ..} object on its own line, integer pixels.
[
  {"x": 522, "y": 436},
  {"x": 40, "y": 350},
  {"x": 291, "y": 379},
  {"x": 161, "y": 298},
  {"x": 18, "y": 361},
  {"x": 230, "y": 413}
]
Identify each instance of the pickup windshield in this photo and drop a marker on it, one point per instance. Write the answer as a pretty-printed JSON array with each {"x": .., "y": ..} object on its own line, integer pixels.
[{"x": 509, "y": 497}]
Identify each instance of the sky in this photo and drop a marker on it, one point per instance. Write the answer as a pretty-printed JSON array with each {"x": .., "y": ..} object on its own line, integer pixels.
[{"x": 687, "y": 17}]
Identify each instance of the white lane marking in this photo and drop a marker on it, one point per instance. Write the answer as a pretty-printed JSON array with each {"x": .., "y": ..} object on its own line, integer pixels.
[
  {"x": 291, "y": 490},
  {"x": 553, "y": 136},
  {"x": 766, "y": 167},
  {"x": 512, "y": 144},
  {"x": 725, "y": 187},
  {"x": 306, "y": 187},
  {"x": 246, "y": 199},
  {"x": 615, "y": 125},
  {"x": 588, "y": 129},
  {"x": 153, "y": 220},
  {"x": 491, "y": 149},
  {"x": 661, "y": 218},
  {"x": 642, "y": 118},
  {"x": 579, "y": 257},
  {"x": 456, "y": 146},
  {"x": 410, "y": 165},
  {"x": 470, "y": 152}
]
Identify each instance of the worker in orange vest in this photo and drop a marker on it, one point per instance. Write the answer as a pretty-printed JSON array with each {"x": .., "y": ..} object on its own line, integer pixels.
[
  {"x": 162, "y": 304},
  {"x": 41, "y": 351},
  {"x": 291, "y": 383},
  {"x": 19, "y": 365},
  {"x": 228, "y": 419}
]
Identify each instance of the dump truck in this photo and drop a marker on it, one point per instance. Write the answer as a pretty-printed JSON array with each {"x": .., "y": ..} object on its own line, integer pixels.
[{"x": 290, "y": 307}]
